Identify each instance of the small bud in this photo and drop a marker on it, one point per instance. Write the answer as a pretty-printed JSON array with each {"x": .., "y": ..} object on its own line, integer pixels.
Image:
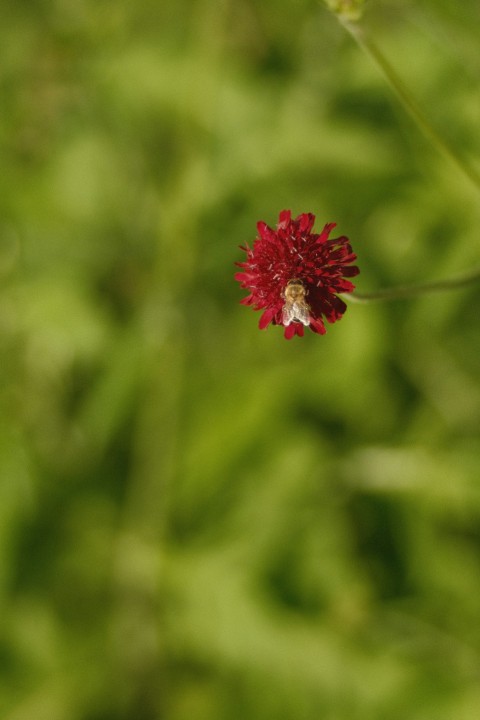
[{"x": 351, "y": 10}]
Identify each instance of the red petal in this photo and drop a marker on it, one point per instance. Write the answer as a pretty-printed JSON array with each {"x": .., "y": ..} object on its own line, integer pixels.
[
  {"x": 316, "y": 324},
  {"x": 350, "y": 271},
  {"x": 293, "y": 329},
  {"x": 266, "y": 318},
  {"x": 326, "y": 232},
  {"x": 266, "y": 233},
  {"x": 337, "y": 310},
  {"x": 284, "y": 218},
  {"x": 344, "y": 286},
  {"x": 247, "y": 300},
  {"x": 305, "y": 222}
]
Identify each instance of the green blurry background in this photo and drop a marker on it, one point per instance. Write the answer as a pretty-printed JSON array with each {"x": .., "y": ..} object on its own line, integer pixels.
[{"x": 199, "y": 520}]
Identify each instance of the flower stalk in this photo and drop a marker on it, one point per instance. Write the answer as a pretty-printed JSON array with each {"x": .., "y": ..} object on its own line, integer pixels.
[
  {"x": 407, "y": 99},
  {"x": 404, "y": 292}
]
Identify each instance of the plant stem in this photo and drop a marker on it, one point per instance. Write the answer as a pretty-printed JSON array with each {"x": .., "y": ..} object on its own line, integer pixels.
[
  {"x": 408, "y": 101},
  {"x": 403, "y": 292}
]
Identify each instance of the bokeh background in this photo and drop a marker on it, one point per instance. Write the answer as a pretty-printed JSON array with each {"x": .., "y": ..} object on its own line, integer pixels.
[{"x": 199, "y": 520}]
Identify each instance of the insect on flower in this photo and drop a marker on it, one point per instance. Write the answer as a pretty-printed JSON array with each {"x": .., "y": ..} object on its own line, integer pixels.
[
  {"x": 291, "y": 263},
  {"x": 295, "y": 308}
]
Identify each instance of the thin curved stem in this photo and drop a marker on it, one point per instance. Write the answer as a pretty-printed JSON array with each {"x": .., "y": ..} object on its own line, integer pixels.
[
  {"x": 409, "y": 102},
  {"x": 404, "y": 292}
]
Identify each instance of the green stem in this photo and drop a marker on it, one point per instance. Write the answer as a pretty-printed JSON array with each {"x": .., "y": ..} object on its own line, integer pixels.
[
  {"x": 409, "y": 103},
  {"x": 403, "y": 292}
]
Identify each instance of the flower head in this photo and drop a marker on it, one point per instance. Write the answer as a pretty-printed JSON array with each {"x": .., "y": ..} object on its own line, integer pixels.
[{"x": 294, "y": 275}]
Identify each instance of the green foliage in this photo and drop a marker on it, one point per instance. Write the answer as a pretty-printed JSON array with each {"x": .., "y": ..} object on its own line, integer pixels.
[{"x": 198, "y": 520}]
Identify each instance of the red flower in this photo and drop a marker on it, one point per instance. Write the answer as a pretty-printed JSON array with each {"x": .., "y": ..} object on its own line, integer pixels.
[{"x": 293, "y": 275}]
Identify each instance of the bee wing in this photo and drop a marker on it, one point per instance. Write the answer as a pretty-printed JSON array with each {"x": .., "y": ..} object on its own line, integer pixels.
[
  {"x": 302, "y": 313},
  {"x": 296, "y": 312},
  {"x": 288, "y": 314}
]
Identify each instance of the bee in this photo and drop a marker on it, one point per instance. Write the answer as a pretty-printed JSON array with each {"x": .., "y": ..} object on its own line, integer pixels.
[{"x": 296, "y": 309}]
